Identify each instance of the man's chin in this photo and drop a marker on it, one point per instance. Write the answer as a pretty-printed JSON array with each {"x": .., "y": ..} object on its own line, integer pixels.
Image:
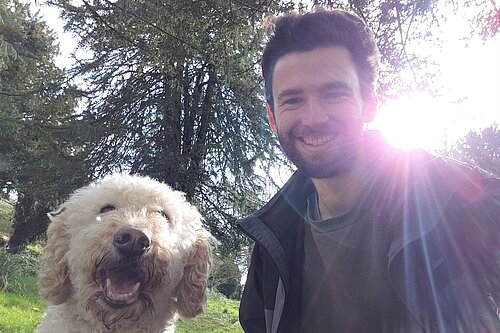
[
  {"x": 327, "y": 163},
  {"x": 322, "y": 172},
  {"x": 323, "y": 169}
]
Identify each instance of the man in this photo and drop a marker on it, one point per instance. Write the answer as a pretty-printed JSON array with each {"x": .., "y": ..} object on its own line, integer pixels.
[{"x": 363, "y": 237}]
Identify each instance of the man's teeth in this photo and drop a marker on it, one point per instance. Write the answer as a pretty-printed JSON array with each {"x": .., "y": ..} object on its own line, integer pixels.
[{"x": 318, "y": 141}]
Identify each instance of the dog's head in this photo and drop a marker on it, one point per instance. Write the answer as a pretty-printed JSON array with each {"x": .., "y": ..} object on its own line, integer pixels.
[{"x": 125, "y": 245}]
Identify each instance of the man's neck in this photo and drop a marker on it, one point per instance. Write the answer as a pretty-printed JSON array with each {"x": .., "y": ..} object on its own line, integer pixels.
[{"x": 337, "y": 195}]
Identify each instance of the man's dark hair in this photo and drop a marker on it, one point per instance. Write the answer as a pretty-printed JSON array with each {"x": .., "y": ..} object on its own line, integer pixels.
[{"x": 306, "y": 32}]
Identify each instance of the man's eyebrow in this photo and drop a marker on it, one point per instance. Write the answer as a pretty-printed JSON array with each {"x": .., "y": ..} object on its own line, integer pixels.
[
  {"x": 337, "y": 85},
  {"x": 288, "y": 92}
]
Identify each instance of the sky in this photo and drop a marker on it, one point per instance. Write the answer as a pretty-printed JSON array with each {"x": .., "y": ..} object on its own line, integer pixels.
[{"x": 470, "y": 73}]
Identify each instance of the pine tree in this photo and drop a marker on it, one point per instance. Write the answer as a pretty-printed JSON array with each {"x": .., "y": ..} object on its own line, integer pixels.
[{"x": 38, "y": 151}]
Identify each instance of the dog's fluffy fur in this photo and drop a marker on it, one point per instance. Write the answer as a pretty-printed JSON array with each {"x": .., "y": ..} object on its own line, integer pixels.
[{"x": 92, "y": 287}]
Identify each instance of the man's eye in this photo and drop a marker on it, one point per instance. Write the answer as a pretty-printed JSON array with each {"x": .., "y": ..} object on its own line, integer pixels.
[
  {"x": 292, "y": 101},
  {"x": 106, "y": 209}
]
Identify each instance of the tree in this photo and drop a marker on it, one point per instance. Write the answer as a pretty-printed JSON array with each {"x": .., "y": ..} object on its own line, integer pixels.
[
  {"x": 6, "y": 49},
  {"x": 38, "y": 152},
  {"x": 480, "y": 148},
  {"x": 486, "y": 20},
  {"x": 172, "y": 91}
]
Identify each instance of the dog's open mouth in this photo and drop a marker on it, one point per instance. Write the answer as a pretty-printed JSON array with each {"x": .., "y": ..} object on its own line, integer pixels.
[{"x": 122, "y": 286}]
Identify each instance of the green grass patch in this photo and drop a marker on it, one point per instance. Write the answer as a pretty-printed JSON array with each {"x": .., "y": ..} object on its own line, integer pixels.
[
  {"x": 221, "y": 316},
  {"x": 21, "y": 308},
  {"x": 35, "y": 248},
  {"x": 20, "y": 313}
]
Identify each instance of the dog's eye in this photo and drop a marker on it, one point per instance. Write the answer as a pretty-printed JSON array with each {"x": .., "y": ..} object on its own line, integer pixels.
[
  {"x": 164, "y": 215},
  {"x": 107, "y": 208}
]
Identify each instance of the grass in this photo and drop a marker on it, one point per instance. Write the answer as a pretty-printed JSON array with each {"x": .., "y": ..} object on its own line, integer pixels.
[
  {"x": 221, "y": 316},
  {"x": 21, "y": 308},
  {"x": 20, "y": 313}
]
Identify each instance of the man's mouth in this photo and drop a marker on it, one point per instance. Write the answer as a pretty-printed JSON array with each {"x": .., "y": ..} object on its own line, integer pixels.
[{"x": 316, "y": 141}]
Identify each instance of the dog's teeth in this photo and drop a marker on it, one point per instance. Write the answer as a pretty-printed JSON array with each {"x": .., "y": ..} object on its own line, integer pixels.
[
  {"x": 108, "y": 284},
  {"x": 117, "y": 296},
  {"x": 136, "y": 287}
]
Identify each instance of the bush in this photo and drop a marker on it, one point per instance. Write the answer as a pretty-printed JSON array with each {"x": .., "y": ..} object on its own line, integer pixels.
[
  {"x": 18, "y": 272},
  {"x": 225, "y": 277}
]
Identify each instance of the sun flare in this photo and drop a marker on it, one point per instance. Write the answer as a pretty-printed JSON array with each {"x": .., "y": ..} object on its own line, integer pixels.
[
  {"x": 468, "y": 100},
  {"x": 414, "y": 121}
]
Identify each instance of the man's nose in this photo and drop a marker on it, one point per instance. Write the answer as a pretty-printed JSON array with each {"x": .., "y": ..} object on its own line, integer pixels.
[{"x": 313, "y": 114}]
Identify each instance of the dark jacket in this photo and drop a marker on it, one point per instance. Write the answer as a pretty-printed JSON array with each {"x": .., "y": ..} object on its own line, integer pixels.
[{"x": 443, "y": 256}]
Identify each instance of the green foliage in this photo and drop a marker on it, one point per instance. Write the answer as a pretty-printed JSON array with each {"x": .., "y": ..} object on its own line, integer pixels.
[
  {"x": 35, "y": 248},
  {"x": 18, "y": 272},
  {"x": 6, "y": 213},
  {"x": 225, "y": 277},
  {"x": 6, "y": 49},
  {"x": 173, "y": 90},
  {"x": 39, "y": 146},
  {"x": 480, "y": 148}
]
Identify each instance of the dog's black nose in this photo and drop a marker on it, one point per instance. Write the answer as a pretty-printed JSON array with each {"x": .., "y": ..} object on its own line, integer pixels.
[{"x": 131, "y": 242}]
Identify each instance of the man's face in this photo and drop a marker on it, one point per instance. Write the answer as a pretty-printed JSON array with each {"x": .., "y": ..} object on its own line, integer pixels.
[{"x": 318, "y": 110}]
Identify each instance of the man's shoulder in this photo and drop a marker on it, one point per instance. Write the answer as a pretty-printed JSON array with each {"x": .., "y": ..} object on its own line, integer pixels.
[
  {"x": 465, "y": 180},
  {"x": 421, "y": 168},
  {"x": 423, "y": 179}
]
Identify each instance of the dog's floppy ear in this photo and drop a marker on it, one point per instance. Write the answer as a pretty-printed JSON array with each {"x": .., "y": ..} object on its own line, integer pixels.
[
  {"x": 192, "y": 289},
  {"x": 55, "y": 285}
]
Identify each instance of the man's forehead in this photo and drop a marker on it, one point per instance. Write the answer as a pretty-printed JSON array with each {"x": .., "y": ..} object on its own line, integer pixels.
[{"x": 321, "y": 68}]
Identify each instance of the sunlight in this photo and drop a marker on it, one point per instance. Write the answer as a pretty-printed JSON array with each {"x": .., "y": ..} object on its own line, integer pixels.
[
  {"x": 414, "y": 121},
  {"x": 469, "y": 100}
]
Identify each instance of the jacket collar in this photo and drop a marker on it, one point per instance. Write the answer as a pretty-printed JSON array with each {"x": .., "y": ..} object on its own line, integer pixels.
[{"x": 290, "y": 199}]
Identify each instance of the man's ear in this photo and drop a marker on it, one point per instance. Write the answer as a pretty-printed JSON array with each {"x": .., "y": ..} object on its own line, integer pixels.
[
  {"x": 370, "y": 107},
  {"x": 272, "y": 120}
]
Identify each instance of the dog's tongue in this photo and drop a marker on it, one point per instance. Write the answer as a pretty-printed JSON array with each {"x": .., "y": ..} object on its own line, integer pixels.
[{"x": 122, "y": 291}]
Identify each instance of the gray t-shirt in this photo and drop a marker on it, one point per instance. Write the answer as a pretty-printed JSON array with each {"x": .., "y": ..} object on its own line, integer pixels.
[{"x": 346, "y": 284}]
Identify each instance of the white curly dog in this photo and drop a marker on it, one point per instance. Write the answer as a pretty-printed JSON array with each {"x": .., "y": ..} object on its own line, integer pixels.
[{"x": 124, "y": 254}]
